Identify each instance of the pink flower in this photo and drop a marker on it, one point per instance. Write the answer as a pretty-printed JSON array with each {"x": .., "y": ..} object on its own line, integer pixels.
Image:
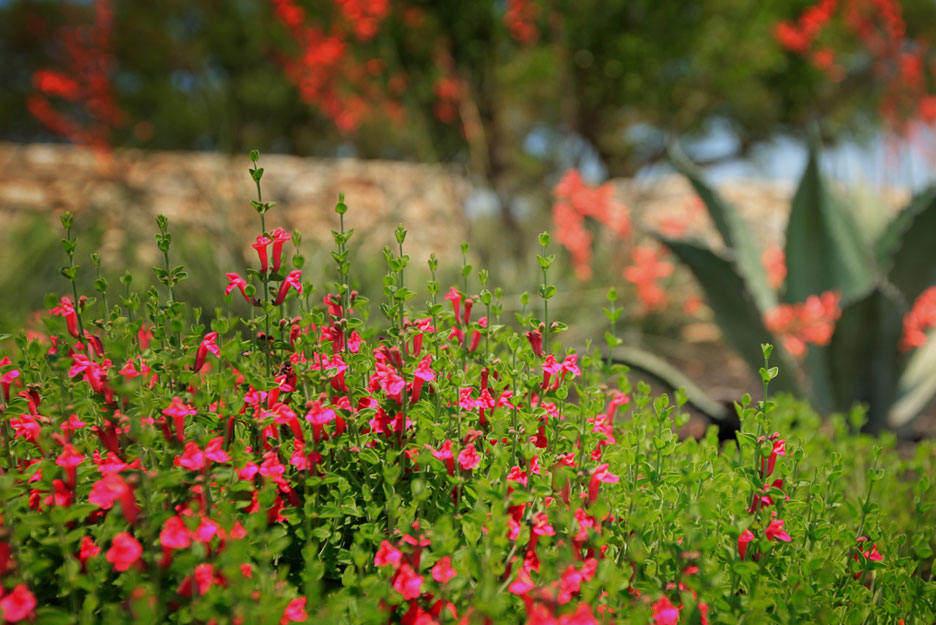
[
  {"x": 599, "y": 475},
  {"x": 67, "y": 309},
  {"x": 295, "y": 612},
  {"x": 280, "y": 236},
  {"x": 18, "y": 604},
  {"x": 387, "y": 554},
  {"x": 291, "y": 281},
  {"x": 442, "y": 572},
  {"x": 407, "y": 582},
  {"x": 468, "y": 459},
  {"x": 665, "y": 613},
  {"x": 213, "y": 450},
  {"x": 455, "y": 297},
  {"x": 261, "y": 246},
  {"x": 743, "y": 540},
  {"x": 767, "y": 464},
  {"x": 207, "y": 345},
  {"x": 775, "y": 531},
  {"x": 87, "y": 549},
  {"x": 236, "y": 282},
  {"x": 125, "y": 551},
  {"x": 444, "y": 453},
  {"x": 174, "y": 534},
  {"x": 193, "y": 458}
]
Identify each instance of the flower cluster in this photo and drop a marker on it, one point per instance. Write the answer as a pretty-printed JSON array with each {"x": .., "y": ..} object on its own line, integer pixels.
[
  {"x": 812, "y": 321},
  {"x": 83, "y": 84},
  {"x": 646, "y": 272},
  {"x": 879, "y": 27},
  {"x": 574, "y": 201},
  {"x": 919, "y": 320}
]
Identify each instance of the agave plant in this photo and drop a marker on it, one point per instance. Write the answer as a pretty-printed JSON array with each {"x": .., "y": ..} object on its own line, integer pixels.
[{"x": 826, "y": 251}]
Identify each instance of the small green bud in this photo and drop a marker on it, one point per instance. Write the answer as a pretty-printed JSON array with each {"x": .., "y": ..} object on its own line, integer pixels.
[{"x": 254, "y": 155}]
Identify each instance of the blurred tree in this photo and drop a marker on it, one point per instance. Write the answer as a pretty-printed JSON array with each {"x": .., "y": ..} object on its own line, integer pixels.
[{"x": 516, "y": 90}]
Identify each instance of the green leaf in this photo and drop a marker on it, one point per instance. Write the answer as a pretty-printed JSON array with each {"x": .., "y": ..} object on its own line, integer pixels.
[
  {"x": 824, "y": 250},
  {"x": 863, "y": 358},
  {"x": 905, "y": 251},
  {"x": 916, "y": 386},
  {"x": 733, "y": 230},
  {"x": 657, "y": 367},
  {"x": 735, "y": 310}
]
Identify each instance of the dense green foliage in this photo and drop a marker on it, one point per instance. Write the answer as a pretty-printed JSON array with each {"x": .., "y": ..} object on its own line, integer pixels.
[{"x": 294, "y": 462}]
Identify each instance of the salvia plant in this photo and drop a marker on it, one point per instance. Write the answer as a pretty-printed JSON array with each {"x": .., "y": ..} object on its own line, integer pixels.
[
  {"x": 849, "y": 320},
  {"x": 293, "y": 460}
]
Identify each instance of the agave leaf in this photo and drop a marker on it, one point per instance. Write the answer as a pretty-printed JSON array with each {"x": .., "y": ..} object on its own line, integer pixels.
[
  {"x": 824, "y": 249},
  {"x": 916, "y": 388},
  {"x": 668, "y": 374},
  {"x": 905, "y": 251},
  {"x": 735, "y": 311},
  {"x": 734, "y": 231},
  {"x": 863, "y": 358}
]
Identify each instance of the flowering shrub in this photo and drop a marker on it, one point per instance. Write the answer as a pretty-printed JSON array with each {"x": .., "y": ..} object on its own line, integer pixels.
[{"x": 292, "y": 459}]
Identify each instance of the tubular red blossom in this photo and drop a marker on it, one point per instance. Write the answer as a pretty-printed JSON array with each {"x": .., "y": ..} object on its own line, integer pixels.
[
  {"x": 174, "y": 534},
  {"x": 665, "y": 613},
  {"x": 407, "y": 582},
  {"x": 6, "y": 380},
  {"x": 193, "y": 458},
  {"x": 775, "y": 531},
  {"x": 213, "y": 450},
  {"x": 535, "y": 337},
  {"x": 444, "y": 454},
  {"x": 387, "y": 555},
  {"x": 178, "y": 410},
  {"x": 125, "y": 551},
  {"x": 743, "y": 541},
  {"x": 236, "y": 282},
  {"x": 767, "y": 464},
  {"x": 292, "y": 281},
  {"x": 208, "y": 345},
  {"x": 442, "y": 572},
  {"x": 280, "y": 236},
  {"x": 67, "y": 309},
  {"x": 17, "y": 605},
  {"x": 261, "y": 246},
  {"x": 455, "y": 298},
  {"x": 87, "y": 550},
  {"x": 295, "y": 612},
  {"x": 468, "y": 458},
  {"x": 599, "y": 475}
]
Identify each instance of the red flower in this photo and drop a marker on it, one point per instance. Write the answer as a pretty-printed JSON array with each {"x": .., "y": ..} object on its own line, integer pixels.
[
  {"x": 213, "y": 450},
  {"x": 125, "y": 551},
  {"x": 291, "y": 281},
  {"x": 775, "y": 531},
  {"x": 387, "y": 555},
  {"x": 746, "y": 537},
  {"x": 87, "y": 549},
  {"x": 280, "y": 236},
  {"x": 665, "y": 613},
  {"x": 207, "y": 345},
  {"x": 67, "y": 309},
  {"x": 18, "y": 604},
  {"x": 468, "y": 459},
  {"x": 261, "y": 246},
  {"x": 193, "y": 458},
  {"x": 407, "y": 582},
  {"x": 442, "y": 572},
  {"x": 600, "y": 474},
  {"x": 174, "y": 534},
  {"x": 236, "y": 282},
  {"x": 295, "y": 612},
  {"x": 455, "y": 297}
]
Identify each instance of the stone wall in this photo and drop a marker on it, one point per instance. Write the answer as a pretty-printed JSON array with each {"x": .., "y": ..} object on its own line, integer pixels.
[{"x": 209, "y": 194}]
